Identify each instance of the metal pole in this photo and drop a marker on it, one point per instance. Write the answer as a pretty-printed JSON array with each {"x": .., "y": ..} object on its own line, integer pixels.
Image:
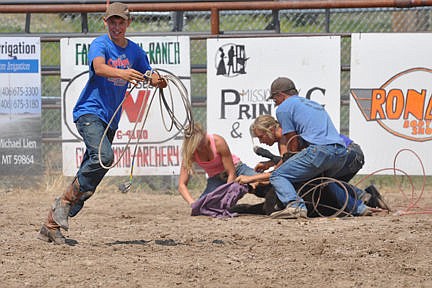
[
  {"x": 84, "y": 23},
  {"x": 327, "y": 20},
  {"x": 27, "y": 23},
  {"x": 214, "y": 20}
]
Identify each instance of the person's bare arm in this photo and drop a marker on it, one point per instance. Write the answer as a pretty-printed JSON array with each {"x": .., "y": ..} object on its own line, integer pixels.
[
  {"x": 289, "y": 143},
  {"x": 246, "y": 179},
  {"x": 264, "y": 165},
  {"x": 182, "y": 186},
  {"x": 223, "y": 149}
]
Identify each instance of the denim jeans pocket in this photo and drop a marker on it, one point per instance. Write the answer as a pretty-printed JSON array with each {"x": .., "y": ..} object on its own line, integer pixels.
[
  {"x": 317, "y": 155},
  {"x": 91, "y": 128},
  {"x": 319, "y": 158},
  {"x": 87, "y": 120}
]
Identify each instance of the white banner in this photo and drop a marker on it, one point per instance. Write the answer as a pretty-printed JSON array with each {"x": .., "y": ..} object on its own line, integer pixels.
[
  {"x": 20, "y": 106},
  {"x": 391, "y": 106},
  {"x": 158, "y": 152},
  {"x": 240, "y": 72}
]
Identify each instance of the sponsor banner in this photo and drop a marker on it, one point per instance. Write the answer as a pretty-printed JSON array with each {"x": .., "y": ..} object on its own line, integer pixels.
[
  {"x": 144, "y": 119},
  {"x": 391, "y": 106},
  {"x": 20, "y": 106},
  {"x": 241, "y": 70}
]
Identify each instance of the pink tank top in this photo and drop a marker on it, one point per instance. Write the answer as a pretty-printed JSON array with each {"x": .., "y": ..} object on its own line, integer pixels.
[{"x": 214, "y": 166}]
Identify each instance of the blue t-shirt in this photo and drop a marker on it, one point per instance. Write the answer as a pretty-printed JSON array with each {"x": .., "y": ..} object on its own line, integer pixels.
[
  {"x": 101, "y": 96},
  {"x": 309, "y": 120}
]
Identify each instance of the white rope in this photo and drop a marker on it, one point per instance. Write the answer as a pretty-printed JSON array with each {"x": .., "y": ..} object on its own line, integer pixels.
[{"x": 187, "y": 125}]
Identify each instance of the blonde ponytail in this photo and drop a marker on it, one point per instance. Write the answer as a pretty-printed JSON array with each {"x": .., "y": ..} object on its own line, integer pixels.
[{"x": 190, "y": 144}]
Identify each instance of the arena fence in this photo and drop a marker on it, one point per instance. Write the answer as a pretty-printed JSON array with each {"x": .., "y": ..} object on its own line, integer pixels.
[{"x": 199, "y": 20}]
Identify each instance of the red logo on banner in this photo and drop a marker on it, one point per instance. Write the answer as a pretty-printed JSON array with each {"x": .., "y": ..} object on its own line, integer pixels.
[
  {"x": 131, "y": 108},
  {"x": 402, "y": 105}
]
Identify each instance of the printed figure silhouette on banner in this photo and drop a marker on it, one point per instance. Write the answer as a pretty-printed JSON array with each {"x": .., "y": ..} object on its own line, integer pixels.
[
  {"x": 221, "y": 70},
  {"x": 236, "y": 61},
  {"x": 231, "y": 55}
]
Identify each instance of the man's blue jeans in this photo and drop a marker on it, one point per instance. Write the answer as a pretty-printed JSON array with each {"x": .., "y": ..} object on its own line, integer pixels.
[
  {"x": 313, "y": 161},
  {"x": 353, "y": 164},
  {"x": 91, "y": 129}
]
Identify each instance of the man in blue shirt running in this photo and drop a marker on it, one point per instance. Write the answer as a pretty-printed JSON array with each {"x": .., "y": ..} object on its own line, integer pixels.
[{"x": 114, "y": 62}]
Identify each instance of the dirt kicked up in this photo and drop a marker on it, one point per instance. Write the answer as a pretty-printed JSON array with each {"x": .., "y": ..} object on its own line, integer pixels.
[{"x": 140, "y": 239}]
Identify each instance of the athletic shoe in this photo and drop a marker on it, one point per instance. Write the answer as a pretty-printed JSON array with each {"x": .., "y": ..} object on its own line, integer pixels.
[
  {"x": 366, "y": 212},
  {"x": 290, "y": 213}
]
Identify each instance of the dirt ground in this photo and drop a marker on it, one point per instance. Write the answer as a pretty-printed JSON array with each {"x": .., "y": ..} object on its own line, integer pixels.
[{"x": 146, "y": 239}]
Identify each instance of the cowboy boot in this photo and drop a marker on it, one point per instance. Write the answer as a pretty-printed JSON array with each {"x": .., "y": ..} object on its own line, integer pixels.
[
  {"x": 62, "y": 204},
  {"x": 50, "y": 231},
  {"x": 376, "y": 199},
  {"x": 78, "y": 205}
]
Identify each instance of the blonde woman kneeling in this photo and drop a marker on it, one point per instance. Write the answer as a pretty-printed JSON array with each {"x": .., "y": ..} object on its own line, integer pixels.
[{"x": 211, "y": 153}]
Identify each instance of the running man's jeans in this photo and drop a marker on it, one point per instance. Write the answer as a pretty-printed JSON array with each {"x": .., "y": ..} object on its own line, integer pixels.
[{"x": 90, "y": 173}]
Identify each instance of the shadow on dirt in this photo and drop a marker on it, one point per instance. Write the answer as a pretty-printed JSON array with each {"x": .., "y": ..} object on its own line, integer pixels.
[
  {"x": 129, "y": 242},
  {"x": 71, "y": 242},
  {"x": 164, "y": 242}
]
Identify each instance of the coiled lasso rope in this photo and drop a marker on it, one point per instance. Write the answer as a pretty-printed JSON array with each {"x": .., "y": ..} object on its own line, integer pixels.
[
  {"x": 165, "y": 106},
  {"x": 314, "y": 189},
  {"x": 412, "y": 202}
]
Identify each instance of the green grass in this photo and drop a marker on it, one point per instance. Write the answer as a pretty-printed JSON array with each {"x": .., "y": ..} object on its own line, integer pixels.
[{"x": 390, "y": 183}]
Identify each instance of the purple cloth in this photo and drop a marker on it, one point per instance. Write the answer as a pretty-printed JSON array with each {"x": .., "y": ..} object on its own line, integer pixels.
[{"x": 217, "y": 202}]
